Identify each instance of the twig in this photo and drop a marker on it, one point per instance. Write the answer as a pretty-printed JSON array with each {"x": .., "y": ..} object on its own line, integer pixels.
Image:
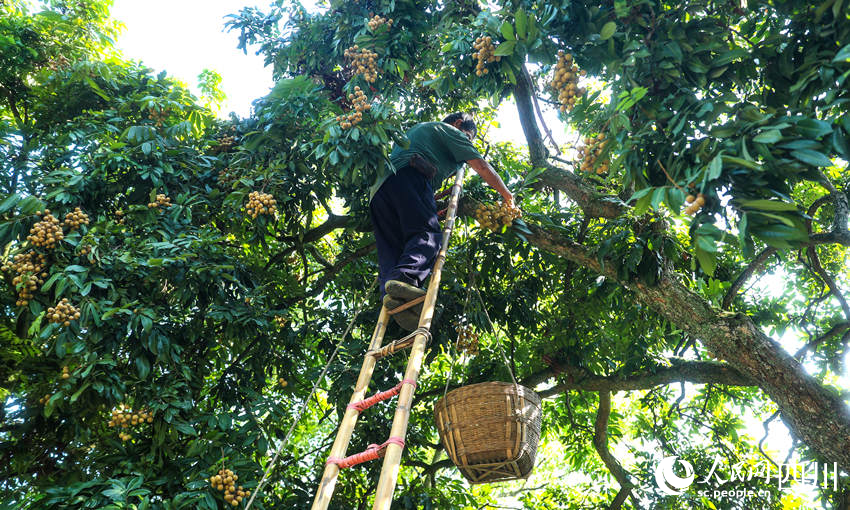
[
  {"x": 755, "y": 265},
  {"x": 600, "y": 442},
  {"x": 670, "y": 178},
  {"x": 766, "y": 424}
]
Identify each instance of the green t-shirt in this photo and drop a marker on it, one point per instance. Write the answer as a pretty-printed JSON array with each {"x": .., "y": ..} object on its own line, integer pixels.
[{"x": 442, "y": 144}]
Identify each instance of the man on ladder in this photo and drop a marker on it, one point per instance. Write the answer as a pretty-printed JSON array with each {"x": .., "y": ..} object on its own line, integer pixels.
[{"x": 404, "y": 212}]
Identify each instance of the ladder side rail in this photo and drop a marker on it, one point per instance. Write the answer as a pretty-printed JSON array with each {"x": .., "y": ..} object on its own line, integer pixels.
[
  {"x": 349, "y": 419},
  {"x": 392, "y": 456}
]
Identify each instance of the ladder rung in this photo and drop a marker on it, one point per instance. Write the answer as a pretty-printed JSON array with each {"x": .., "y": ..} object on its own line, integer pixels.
[
  {"x": 366, "y": 403},
  {"x": 372, "y": 452},
  {"x": 402, "y": 343},
  {"x": 409, "y": 304}
]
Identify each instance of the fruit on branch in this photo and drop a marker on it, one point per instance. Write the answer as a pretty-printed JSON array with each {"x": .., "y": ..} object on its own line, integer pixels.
[
  {"x": 695, "y": 203},
  {"x": 361, "y": 104},
  {"x": 261, "y": 203},
  {"x": 565, "y": 82},
  {"x": 63, "y": 313},
  {"x": 225, "y": 481},
  {"x": 29, "y": 274},
  {"x": 75, "y": 218},
  {"x": 47, "y": 232},
  {"x": 590, "y": 152},
  {"x": 485, "y": 53},
  {"x": 161, "y": 201},
  {"x": 495, "y": 216},
  {"x": 363, "y": 61},
  {"x": 377, "y": 21}
]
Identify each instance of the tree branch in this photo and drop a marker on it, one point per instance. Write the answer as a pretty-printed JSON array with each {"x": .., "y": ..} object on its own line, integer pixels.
[
  {"x": 811, "y": 411},
  {"x": 754, "y": 266},
  {"x": 600, "y": 442},
  {"x": 680, "y": 370}
]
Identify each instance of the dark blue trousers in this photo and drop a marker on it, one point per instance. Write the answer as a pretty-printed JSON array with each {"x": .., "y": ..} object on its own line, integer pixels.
[{"x": 407, "y": 231}]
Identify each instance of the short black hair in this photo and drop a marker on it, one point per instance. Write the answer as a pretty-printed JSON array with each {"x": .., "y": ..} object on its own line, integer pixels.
[{"x": 467, "y": 122}]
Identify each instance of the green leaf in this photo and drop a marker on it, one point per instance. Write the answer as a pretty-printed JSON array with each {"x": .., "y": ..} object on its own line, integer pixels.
[
  {"x": 707, "y": 260},
  {"x": 79, "y": 392},
  {"x": 143, "y": 366},
  {"x": 767, "y": 205},
  {"x": 505, "y": 49},
  {"x": 507, "y": 31},
  {"x": 729, "y": 56},
  {"x": 9, "y": 202},
  {"x": 843, "y": 55},
  {"x": 715, "y": 168},
  {"x": 769, "y": 136},
  {"x": 813, "y": 128},
  {"x": 811, "y": 157},
  {"x": 607, "y": 31},
  {"x": 521, "y": 20}
]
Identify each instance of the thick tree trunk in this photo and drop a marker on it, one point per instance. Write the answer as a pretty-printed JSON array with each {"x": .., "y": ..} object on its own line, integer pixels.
[{"x": 814, "y": 414}]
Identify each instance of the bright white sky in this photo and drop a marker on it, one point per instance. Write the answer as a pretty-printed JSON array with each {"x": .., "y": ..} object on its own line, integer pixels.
[{"x": 184, "y": 37}]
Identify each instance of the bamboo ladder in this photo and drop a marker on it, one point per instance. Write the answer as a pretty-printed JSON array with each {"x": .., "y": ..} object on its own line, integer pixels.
[{"x": 391, "y": 449}]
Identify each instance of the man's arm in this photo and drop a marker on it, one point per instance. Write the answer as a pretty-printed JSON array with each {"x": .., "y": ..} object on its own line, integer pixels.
[{"x": 492, "y": 178}]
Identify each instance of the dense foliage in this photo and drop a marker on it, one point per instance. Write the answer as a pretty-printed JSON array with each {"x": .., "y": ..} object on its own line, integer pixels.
[{"x": 217, "y": 322}]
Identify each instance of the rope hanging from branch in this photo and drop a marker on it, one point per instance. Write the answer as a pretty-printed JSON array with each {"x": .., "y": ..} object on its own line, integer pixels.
[{"x": 319, "y": 379}]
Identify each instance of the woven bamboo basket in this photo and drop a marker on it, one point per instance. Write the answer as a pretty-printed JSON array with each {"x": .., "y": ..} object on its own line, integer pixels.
[{"x": 490, "y": 430}]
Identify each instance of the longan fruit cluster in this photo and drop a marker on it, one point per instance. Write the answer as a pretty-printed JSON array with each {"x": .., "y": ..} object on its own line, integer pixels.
[
  {"x": 281, "y": 321},
  {"x": 261, "y": 203},
  {"x": 590, "y": 151},
  {"x": 158, "y": 116},
  {"x": 282, "y": 382},
  {"x": 63, "y": 313},
  {"x": 566, "y": 81},
  {"x": 226, "y": 142},
  {"x": 43, "y": 400},
  {"x": 85, "y": 250},
  {"x": 495, "y": 216},
  {"x": 120, "y": 214},
  {"x": 225, "y": 481},
  {"x": 47, "y": 232},
  {"x": 484, "y": 53},
  {"x": 126, "y": 417},
  {"x": 467, "y": 337},
  {"x": 377, "y": 21},
  {"x": 227, "y": 176},
  {"x": 58, "y": 62},
  {"x": 161, "y": 201},
  {"x": 360, "y": 103},
  {"x": 66, "y": 374},
  {"x": 363, "y": 61},
  {"x": 695, "y": 203},
  {"x": 29, "y": 267},
  {"x": 75, "y": 218}
]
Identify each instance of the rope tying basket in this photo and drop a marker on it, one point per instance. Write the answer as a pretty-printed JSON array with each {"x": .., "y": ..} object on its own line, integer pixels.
[{"x": 490, "y": 430}]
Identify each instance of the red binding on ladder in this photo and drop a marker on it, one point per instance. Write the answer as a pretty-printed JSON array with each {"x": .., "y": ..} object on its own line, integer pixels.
[
  {"x": 380, "y": 397},
  {"x": 373, "y": 451}
]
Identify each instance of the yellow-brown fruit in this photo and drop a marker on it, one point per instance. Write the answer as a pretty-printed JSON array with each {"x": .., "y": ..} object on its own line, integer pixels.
[
  {"x": 363, "y": 62},
  {"x": 694, "y": 204},
  {"x": 495, "y": 216},
  {"x": 589, "y": 153},
  {"x": 565, "y": 81},
  {"x": 360, "y": 103},
  {"x": 47, "y": 232},
  {"x": 485, "y": 53},
  {"x": 261, "y": 203},
  {"x": 467, "y": 337},
  {"x": 75, "y": 218},
  {"x": 161, "y": 201},
  {"x": 283, "y": 382},
  {"x": 63, "y": 313},
  {"x": 377, "y": 21},
  {"x": 29, "y": 269}
]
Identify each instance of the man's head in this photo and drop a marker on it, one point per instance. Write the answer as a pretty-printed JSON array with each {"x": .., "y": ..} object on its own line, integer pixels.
[{"x": 464, "y": 122}]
